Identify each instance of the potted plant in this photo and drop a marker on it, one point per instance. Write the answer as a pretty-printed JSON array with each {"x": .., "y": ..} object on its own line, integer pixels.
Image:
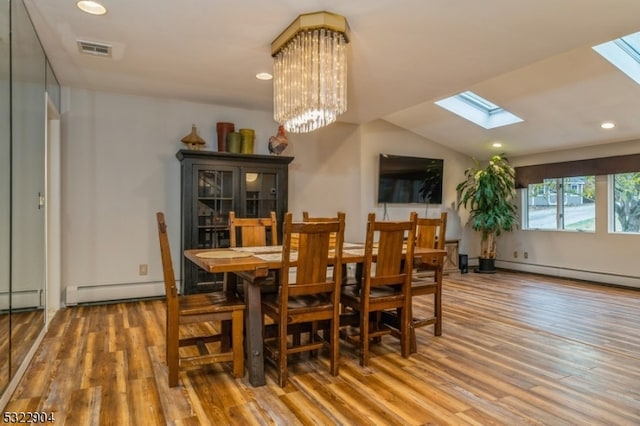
[{"x": 488, "y": 194}]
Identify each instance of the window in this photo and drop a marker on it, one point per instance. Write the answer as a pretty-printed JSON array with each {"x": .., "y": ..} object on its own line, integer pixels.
[
  {"x": 626, "y": 202},
  {"x": 564, "y": 203},
  {"x": 478, "y": 110},
  {"x": 624, "y": 53}
]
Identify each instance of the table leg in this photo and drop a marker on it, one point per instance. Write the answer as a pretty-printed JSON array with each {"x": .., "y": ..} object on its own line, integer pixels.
[
  {"x": 437, "y": 327},
  {"x": 253, "y": 339}
]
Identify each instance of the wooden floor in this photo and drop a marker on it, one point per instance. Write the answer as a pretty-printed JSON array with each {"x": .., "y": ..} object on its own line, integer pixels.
[{"x": 516, "y": 349}]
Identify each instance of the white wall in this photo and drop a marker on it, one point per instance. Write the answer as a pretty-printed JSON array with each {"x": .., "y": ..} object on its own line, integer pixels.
[
  {"x": 599, "y": 256},
  {"x": 119, "y": 168}
]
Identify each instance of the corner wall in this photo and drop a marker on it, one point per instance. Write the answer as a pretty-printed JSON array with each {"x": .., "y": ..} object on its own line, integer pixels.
[{"x": 598, "y": 256}]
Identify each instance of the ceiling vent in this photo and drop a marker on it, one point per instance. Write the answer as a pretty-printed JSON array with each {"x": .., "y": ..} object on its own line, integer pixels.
[{"x": 96, "y": 49}]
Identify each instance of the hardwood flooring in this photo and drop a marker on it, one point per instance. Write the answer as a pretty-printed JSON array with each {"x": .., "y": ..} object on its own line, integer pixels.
[{"x": 516, "y": 349}]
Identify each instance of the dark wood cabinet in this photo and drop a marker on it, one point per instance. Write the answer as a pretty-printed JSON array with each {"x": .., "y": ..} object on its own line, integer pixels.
[{"x": 215, "y": 183}]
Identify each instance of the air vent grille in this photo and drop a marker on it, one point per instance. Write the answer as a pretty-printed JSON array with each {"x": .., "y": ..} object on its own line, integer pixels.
[{"x": 92, "y": 48}]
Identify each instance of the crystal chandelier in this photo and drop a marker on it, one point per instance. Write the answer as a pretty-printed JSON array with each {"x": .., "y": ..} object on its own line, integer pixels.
[{"x": 310, "y": 72}]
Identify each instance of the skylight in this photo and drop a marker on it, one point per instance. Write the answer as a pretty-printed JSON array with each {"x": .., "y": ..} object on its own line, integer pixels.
[
  {"x": 478, "y": 110},
  {"x": 624, "y": 53}
]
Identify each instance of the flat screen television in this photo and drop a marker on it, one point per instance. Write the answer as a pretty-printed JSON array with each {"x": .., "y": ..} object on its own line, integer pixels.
[{"x": 409, "y": 179}]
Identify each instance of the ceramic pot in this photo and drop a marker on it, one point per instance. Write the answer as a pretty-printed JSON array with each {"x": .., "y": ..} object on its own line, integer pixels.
[
  {"x": 223, "y": 130},
  {"x": 486, "y": 266},
  {"x": 248, "y": 137},
  {"x": 234, "y": 141}
]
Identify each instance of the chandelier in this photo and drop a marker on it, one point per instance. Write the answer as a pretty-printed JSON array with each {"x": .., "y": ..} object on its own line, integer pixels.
[{"x": 310, "y": 72}]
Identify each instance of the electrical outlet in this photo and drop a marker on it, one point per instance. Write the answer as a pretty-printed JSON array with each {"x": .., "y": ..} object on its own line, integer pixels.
[
  {"x": 515, "y": 254},
  {"x": 526, "y": 255},
  {"x": 143, "y": 269}
]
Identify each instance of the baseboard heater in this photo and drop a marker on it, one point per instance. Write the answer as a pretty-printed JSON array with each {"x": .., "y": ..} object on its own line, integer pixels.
[
  {"x": 604, "y": 278},
  {"x": 75, "y": 295}
]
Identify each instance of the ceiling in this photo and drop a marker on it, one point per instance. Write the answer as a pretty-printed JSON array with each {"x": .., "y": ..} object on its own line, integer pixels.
[{"x": 533, "y": 58}]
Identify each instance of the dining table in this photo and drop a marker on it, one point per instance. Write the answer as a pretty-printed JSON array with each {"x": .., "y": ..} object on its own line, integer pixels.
[{"x": 252, "y": 265}]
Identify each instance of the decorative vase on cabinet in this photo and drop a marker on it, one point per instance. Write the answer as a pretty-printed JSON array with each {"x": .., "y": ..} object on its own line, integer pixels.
[{"x": 212, "y": 185}]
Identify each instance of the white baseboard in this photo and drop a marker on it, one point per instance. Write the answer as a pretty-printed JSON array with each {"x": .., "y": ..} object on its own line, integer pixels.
[
  {"x": 113, "y": 292},
  {"x": 593, "y": 276}
]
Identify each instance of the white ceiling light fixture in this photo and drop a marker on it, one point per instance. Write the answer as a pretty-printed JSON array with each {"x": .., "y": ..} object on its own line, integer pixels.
[
  {"x": 91, "y": 7},
  {"x": 264, "y": 76},
  {"x": 608, "y": 125},
  {"x": 310, "y": 72},
  {"x": 497, "y": 144}
]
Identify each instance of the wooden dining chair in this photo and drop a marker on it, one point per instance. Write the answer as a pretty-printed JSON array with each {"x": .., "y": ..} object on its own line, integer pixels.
[
  {"x": 427, "y": 278},
  {"x": 201, "y": 308},
  {"x": 307, "y": 296},
  {"x": 385, "y": 286}
]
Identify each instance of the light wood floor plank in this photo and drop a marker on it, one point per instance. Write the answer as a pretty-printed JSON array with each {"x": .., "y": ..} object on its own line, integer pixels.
[{"x": 516, "y": 349}]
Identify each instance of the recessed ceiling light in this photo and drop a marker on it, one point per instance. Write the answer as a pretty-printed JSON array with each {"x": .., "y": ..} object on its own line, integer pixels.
[
  {"x": 264, "y": 76},
  {"x": 608, "y": 125},
  {"x": 497, "y": 144},
  {"x": 91, "y": 7}
]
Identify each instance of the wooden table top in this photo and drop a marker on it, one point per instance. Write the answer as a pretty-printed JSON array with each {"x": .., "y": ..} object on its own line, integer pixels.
[{"x": 270, "y": 257}]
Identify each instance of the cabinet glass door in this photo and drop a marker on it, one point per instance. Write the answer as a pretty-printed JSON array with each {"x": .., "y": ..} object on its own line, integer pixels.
[
  {"x": 214, "y": 190},
  {"x": 214, "y": 202},
  {"x": 260, "y": 193}
]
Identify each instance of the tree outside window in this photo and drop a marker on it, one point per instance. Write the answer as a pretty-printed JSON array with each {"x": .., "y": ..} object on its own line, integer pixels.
[{"x": 626, "y": 202}]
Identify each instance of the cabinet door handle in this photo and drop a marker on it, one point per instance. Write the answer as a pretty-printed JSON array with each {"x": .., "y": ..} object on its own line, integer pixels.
[{"x": 40, "y": 200}]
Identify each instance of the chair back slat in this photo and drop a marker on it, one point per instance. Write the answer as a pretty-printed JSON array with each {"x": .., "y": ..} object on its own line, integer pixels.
[
  {"x": 253, "y": 232},
  {"x": 308, "y": 218},
  {"x": 431, "y": 232}
]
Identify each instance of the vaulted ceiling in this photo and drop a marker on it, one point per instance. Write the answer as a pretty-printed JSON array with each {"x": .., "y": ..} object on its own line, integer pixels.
[{"x": 533, "y": 58}]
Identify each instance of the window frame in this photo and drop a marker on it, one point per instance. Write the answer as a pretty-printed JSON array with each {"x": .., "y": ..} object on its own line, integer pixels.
[
  {"x": 560, "y": 211},
  {"x": 611, "y": 200}
]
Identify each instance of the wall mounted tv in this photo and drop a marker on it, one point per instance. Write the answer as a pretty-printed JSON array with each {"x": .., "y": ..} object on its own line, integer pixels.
[{"x": 409, "y": 179}]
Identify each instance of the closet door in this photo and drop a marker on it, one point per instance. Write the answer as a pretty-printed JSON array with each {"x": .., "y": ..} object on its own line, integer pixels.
[
  {"x": 28, "y": 108},
  {"x": 5, "y": 193}
]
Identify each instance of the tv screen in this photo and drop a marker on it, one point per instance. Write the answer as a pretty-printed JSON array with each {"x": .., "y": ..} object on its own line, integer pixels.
[{"x": 409, "y": 179}]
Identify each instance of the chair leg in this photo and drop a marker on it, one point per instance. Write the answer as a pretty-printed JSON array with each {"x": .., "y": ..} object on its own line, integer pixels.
[
  {"x": 405, "y": 342},
  {"x": 364, "y": 340},
  {"x": 173, "y": 361},
  {"x": 225, "y": 331},
  {"x": 313, "y": 336},
  {"x": 282, "y": 364},
  {"x": 237, "y": 323},
  {"x": 413, "y": 344},
  {"x": 437, "y": 307},
  {"x": 334, "y": 346},
  {"x": 376, "y": 326}
]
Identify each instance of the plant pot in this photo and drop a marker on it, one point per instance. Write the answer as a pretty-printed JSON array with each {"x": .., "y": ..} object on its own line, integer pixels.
[{"x": 486, "y": 266}]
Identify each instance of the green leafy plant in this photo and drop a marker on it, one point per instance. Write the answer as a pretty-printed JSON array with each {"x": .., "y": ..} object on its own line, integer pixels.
[{"x": 488, "y": 193}]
